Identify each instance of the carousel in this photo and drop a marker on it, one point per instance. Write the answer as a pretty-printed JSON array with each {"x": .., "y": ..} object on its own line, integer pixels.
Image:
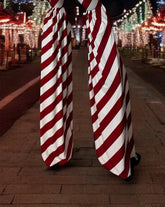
[
  {"x": 155, "y": 28},
  {"x": 18, "y": 37}
]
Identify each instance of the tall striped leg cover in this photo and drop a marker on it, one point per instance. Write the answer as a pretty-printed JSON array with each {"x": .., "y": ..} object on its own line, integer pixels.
[
  {"x": 109, "y": 94},
  {"x": 56, "y": 121}
]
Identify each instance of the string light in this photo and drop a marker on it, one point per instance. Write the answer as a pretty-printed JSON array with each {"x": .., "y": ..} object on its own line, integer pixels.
[
  {"x": 39, "y": 12},
  {"x": 129, "y": 26}
]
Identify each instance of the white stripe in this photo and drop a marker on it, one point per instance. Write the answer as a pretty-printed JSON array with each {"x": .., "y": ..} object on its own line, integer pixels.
[
  {"x": 50, "y": 99},
  {"x": 50, "y": 52},
  {"x": 47, "y": 54},
  {"x": 58, "y": 125},
  {"x": 50, "y": 116},
  {"x": 110, "y": 104},
  {"x": 46, "y": 40},
  {"x": 53, "y": 147},
  {"x": 93, "y": 4},
  {"x": 50, "y": 83},
  {"x": 49, "y": 68},
  {"x": 119, "y": 168},
  {"x": 58, "y": 159},
  {"x": 110, "y": 128},
  {"x": 113, "y": 149},
  {"x": 59, "y": 4},
  {"x": 109, "y": 81}
]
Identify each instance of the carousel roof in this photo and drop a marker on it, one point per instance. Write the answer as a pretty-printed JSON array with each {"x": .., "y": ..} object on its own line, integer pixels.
[
  {"x": 156, "y": 22},
  {"x": 6, "y": 16}
]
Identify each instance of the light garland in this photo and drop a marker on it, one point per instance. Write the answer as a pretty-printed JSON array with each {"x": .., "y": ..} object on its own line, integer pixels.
[
  {"x": 39, "y": 11},
  {"x": 157, "y": 24},
  {"x": 128, "y": 28},
  {"x": 135, "y": 16}
]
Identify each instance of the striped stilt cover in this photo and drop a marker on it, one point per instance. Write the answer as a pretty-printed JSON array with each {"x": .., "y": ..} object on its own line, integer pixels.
[
  {"x": 56, "y": 122},
  {"x": 109, "y": 94}
]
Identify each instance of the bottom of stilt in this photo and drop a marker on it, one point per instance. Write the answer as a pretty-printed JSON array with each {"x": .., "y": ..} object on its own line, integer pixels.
[{"x": 134, "y": 162}]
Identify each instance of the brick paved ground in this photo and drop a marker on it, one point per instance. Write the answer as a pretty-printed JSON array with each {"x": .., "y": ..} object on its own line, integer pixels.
[{"x": 25, "y": 180}]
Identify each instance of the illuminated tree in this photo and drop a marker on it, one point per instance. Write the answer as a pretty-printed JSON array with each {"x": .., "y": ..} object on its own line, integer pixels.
[{"x": 39, "y": 11}]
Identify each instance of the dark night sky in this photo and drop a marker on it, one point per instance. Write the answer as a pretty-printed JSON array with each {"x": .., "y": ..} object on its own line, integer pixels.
[
  {"x": 131, "y": 3},
  {"x": 128, "y": 4}
]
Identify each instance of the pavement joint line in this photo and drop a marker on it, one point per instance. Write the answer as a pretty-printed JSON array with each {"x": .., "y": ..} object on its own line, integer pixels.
[{"x": 5, "y": 101}]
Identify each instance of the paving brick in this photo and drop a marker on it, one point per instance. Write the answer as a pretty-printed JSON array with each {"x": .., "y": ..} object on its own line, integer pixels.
[
  {"x": 96, "y": 163},
  {"x": 9, "y": 159},
  {"x": 141, "y": 176},
  {"x": 113, "y": 189},
  {"x": 41, "y": 205},
  {"x": 84, "y": 153},
  {"x": 158, "y": 177},
  {"x": 56, "y": 180},
  {"x": 2, "y": 187},
  {"x": 124, "y": 199},
  {"x": 8, "y": 180},
  {"x": 67, "y": 170},
  {"x": 6, "y": 199},
  {"x": 34, "y": 157},
  {"x": 81, "y": 162},
  {"x": 61, "y": 199},
  {"x": 160, "y": 114},
  {"x": 152, "y": 199},
  {"x": 83, "y": 142},
  {"x": 157, "y": 205},
  {"x": 116, "y": 205},
  {"x": 161, "y": 152},
  {"x": 32, "y": 189},
  {"x": 77, "y": 205},
  {"x": 9, "y": 171}
]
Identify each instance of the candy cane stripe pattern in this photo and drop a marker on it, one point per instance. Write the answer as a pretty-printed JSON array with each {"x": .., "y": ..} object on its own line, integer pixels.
[
  {"x": 56, "y": 108},
  {"x": 109, "y": 94}
]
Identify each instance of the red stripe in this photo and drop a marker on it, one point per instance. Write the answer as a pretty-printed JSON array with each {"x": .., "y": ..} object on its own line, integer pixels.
[
  {"x": 51, "y": 90},
  {"x": 111, "y": 114},
  {"x": 49, "y": 76},
  {"x": 51, "y": 140},
  {"x": 49, "y": 108},
  {"x": 49, "y": 29},
  {"x": 97, "y": 27},
  {"x": 68, "y": 122},
  {"x": 128, "y": 151},
  {"x": 54, "y": 154},
  {"x": 69, "y": 152},
  {"x": 86, "y": 3},
  {"x": 111, "y": 138},
  {"x": 53, "y": 2},
  {"x": 52, "y": 73},
  {"x": 110, "y": 92},
  {"x": 47, "y": 18},
  {"x": 111, "y": 163},
  {"x": 106, "y": 71},
  {"x": 49, "y": 45},
  {"x": 50, "y": 124}
]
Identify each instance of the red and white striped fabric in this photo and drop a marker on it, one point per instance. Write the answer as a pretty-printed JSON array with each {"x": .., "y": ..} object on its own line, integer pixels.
[
  {"x": 109, "y": 94},
  {"x": 56, "y": 122}
]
